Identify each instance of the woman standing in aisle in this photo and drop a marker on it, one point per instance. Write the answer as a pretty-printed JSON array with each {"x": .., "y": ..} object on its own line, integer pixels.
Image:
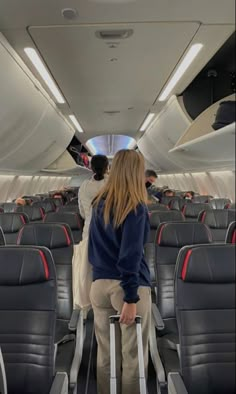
[
  {"x": 90, "y": 188},
  {"x": 121, "y": 278}
]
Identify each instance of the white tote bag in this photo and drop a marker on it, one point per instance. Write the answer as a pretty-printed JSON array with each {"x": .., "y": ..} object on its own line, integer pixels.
[{"x": 82, "y": 276}]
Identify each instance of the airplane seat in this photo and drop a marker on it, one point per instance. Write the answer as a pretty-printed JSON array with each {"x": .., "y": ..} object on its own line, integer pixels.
[
  {"x": 8, "y": 207},
  {"x": 177, "y": 204},
  {"x": 206, "y": 319},
  {"x": 218, "y": 221},
  {"x": 156, "y": 218},
  {"x": 191, "y": 211},
  {"x": 35, "y": 214},
  {"x": 11, "y": 223},
  {"x": 68, "y": 208},
  {"x": 231, "y": 234},
  {"x": 219, "y": 203},
  {"x": 166, "y": 200},
  {"x": 170, "y": 238},
  {"x": 58, "y": 202},
  {"x": 73, "y": 201},
  {"x": 47, "y": 206},
  {"x": 28, "y": 294},
  {"x": 202, "y": 199},
  {"x": 70, "y": 218},
  {"x": 157, "y": 207},
  {"x": 2, "y": 238},
  {"x": 69, "y": 329}
]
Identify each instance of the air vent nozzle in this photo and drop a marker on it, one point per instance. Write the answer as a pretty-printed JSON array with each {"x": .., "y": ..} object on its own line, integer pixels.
[
  {"x": 111, "y": 112},
  {"x": 114, "y": 34}
]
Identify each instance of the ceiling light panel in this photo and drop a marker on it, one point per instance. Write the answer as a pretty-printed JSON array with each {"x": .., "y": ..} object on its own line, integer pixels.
[
  {"x": 181, "y": 69},
  {"x": 42, "y": 70},
  {"x": 110, "y": 144},
  {"x": 147, "y": 121},
  {"x": 76, "y": 123}
]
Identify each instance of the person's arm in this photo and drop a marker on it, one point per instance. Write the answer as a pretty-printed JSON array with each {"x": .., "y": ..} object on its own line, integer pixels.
[
  {"x": 81, "y": 208},
  {"x": 131, "y": 253}
]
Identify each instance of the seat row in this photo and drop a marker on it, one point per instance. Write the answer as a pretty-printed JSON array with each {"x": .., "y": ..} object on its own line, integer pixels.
[
  {"x": 193, "y": 277},
  {"x": 40, "y": 333},
  {"x": 177, "y": 203},
  {"x": 11, "y": 223}
]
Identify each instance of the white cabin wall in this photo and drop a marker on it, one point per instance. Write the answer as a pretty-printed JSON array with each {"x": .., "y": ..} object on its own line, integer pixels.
[
  {"x": 12, "y": 186},
  {"x": 215, "y": 183}
]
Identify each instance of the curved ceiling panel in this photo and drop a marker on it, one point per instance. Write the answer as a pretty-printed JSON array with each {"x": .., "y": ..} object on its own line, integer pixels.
[{"x": 110, "y": 144}]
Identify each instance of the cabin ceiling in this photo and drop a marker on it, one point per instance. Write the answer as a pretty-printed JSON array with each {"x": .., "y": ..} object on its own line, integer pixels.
[{"x": 97, "y": 77}]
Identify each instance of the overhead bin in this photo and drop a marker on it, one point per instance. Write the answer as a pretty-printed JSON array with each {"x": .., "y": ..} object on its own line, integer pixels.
[
  {"x": 33, "y": 133},
  {"x": 163, "y": 134}
]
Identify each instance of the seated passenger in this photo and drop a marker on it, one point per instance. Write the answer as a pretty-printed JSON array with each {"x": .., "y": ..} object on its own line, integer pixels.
[
  {"x": 121, "y": 278},
  {"x": 189, "y": 195},
  {"x": 20, "y": 201},
  {"x": 90, "y": 188},
  {"x": 168, "y": 193}
]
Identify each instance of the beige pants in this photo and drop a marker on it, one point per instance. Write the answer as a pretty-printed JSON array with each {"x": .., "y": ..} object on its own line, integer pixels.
[{"x": 107, "y": 299}]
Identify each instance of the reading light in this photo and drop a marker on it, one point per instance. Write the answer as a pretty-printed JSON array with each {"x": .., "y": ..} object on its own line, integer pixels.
[
  {"x": 183, "y": 66},
  {"x": 76, "y": 123},
  {"x": 147, "y": 122},
  {"x": 42, "y": 70}
]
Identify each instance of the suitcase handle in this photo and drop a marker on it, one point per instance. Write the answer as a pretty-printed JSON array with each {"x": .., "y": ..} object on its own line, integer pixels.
[{"x": 116, "y": 318}]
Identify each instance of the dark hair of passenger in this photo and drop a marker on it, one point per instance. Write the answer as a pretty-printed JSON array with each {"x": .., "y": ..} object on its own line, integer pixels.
[
  {"x": 190, "y": 192},
  {"x": 149, "y": 173},
  {"x": 99, "y": 165}
]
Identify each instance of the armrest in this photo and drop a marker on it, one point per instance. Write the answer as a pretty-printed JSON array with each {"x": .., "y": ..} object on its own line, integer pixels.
[
  {"x": 60, "y": 384},
  {"x": 3, "y": 379},
  {"x": 73, "y": 323},
  {"x": 176, "y": 384},
  {"x": 160, "y": 325}
]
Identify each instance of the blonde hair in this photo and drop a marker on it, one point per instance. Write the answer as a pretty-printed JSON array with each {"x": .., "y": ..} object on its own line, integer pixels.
[{"x": 125, "y": 188}]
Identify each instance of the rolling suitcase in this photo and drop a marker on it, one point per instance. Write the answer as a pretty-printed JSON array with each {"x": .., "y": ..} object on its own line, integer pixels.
[{"x": 142, "y": 380}]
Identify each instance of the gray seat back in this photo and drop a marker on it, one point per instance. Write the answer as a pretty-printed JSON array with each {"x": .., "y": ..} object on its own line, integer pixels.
[{"x": 205, "y": 310}]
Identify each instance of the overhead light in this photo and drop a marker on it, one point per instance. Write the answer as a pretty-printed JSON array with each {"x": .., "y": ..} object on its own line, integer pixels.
[
  {"x": 42, "y": 70},
  {"x": 183, "y": 66},
  {"x": 147, "y": 121},
  {"x": 76, "y": 123}
]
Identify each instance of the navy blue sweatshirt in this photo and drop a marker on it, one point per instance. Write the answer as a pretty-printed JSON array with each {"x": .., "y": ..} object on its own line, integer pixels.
[{"x": 117, "y": 253}]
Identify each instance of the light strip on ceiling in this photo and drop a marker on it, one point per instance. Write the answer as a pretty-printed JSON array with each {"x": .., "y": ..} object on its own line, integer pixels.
[
  {"x": 42, "y": 70},
  {"x": 147, "y": 121},
  {"x": 183, "y": 66},
  {"x": 76, "y": 123}
]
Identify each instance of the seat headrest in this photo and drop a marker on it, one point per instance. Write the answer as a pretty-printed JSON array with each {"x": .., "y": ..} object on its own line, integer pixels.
[
  {"x": 12, "y": 222},
  {"x": 207, "y": 264},
  {"x": 49, "y": 235},
  {"x": 34, "y": 213},
  {"x": 9, "y": 207},
  {"x": 219, "y": 203},
  {"x": 181, "y": 234},
  {"x": 202, "y": 199},
  {"x": 231, "y": 234},
  {"x": 165, "y": 216},
  {"x": 2, "y": 238},
  {"x": 218, "y": 219},
  {"x": 21, "y": 266},
  {"x": 192, "y": 210},
  {"x": 70, "y": 218}
]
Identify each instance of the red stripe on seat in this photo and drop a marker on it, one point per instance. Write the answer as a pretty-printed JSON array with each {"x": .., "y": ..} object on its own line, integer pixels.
[
  {"x": 234, "y": 237},
  {"x": 184, "y": 209},
  {"x": 160, "y": 234},
  {"x": 203, "y": 217},
  {"x": 22, "y": 219},
  {"x": 185, "y": 264},
  {"x": 19, "y": 235},
  {"x": 67, "y": 236},
  {"x": 45, "y": 264}
]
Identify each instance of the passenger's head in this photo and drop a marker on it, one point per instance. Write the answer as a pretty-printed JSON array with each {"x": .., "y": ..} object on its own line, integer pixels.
[
  {"x": 125, "y": 188},
  {"x": 99, "y": 165},
  {"x": 20, "y": 201},
  {"x": 189, "y": 195},
  {"x": 150, "y": 177},
  {"x": 168, "y": 193}
]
